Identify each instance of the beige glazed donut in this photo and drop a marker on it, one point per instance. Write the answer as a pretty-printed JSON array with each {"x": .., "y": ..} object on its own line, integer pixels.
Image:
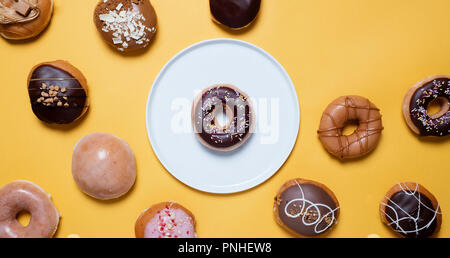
[
  {"x": 24, "y": 19},
  {"x": 103, "y": 166},
  {"x": 21, "y": 196}
]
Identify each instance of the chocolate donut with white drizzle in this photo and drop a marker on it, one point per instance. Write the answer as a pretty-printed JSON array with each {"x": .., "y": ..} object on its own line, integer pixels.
[
  {"x": 306, "y": 208},
  {"x": 235, "y": 104},
  {"x": 411, "y": 210}
]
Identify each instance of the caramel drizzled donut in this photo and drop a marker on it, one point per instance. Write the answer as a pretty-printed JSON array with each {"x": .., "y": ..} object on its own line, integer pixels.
[
  {"x": 235, "y": 14},
  {"x": 411, "y": 210},
  {"x": 126, "y": 25},
  {"x": 306, "y": 208},
  {"x": 166, "y": 220},
  {"x": 416, "y": 101},
  {"x": 58, "y": 92},
  {"x": 235, "y": 104},
  {"x": 21, "y": 196},
  {"x": 103, "y": 166},
  {"x": 23, "y": 19},
  {"x": 338, "y": 114}
]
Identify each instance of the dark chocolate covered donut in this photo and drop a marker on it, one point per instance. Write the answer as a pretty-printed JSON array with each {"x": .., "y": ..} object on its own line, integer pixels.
[
  {"x": 235, "y": 104},
  {"x": 432, "y": 89},
  {"x": 235, "y": 14},
  {"x": 58, "y": 92},
  {"x": 411, "y": 210},
  {"x": 306, "y": 208}
]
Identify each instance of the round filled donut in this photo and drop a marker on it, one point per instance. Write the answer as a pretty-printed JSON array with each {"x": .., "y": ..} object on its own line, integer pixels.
[
  {"x": 411, "y": 211},
  {"x": 166, "y": 220},
  {"x": 58, "y": 92},
  {"x": 236, "y": 106},
  {"x": 434, "y": 89},
  {"x": 306, "y": 208},
  {"x": 234, "y": 14},
  {"x": 340, "y": 113},
  {"x": 20, "y": 196},
  {"x": 126, "y": 25},
  {"x": 103, "y": 166},
  {"x": 24, "y": 19}
]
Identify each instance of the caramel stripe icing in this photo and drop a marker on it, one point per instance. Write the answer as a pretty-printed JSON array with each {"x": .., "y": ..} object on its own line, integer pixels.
[{"x": 334, "y": 119}]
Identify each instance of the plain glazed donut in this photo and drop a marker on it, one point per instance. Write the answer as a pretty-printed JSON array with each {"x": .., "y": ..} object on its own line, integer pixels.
[
  {"x": 24, "y": 19},
  {"x": 306, "y": 208},
  {"x": 238, "y": 109},
  {"x": 416, "y": 101},
  {"x": 338, "y": 114},
  {"x": 103, "y": 166},
  {"x": 26, "y": 196},
  {"x": 166, "y": 220},
  {"x": 410, "y": 210}
]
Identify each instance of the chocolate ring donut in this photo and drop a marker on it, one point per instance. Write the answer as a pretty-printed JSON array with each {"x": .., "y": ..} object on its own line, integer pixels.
[
  {"x": 21, "y": 196},
  {"x": 166, "y": 220},
  {"x": 338, "y": 114},
  {"x": 24, "y": 19},
  {"x": 411, "y": 211},
  {"x": 58, "y": 92},
  {"x": 235, "y": 14},
  {"x": 435, "y": 88},
  {"x": 237, "y": 107},
  {"x": 306, "y": 208},
  {"x": 126, "y": 25}
]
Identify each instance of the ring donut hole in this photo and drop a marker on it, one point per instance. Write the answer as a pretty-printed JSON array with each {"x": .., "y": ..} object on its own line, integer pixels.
[
  {"x": 23, "y": 217},
  {"x": 223, "y": 116},
  {"x": 350, "y": 127},
  {"x": 438, "y": 107}
]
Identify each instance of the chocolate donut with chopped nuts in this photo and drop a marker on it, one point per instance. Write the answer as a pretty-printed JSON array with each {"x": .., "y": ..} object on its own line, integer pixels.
[
  {"x": 126, "y": 25},
  {"x": 58, "y": 92}
]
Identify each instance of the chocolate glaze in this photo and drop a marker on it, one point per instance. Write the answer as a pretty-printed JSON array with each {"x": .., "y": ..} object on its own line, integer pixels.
[
  {"x": 75, "y": 93},
  {"x": 235, "y": 13},
  {"x": 418, "y": 108},
  {"x": 404, "y": 208},
  {"x": 221, "y": 98},
  {"x": 144, "y": 7},
  {"x": 314, "y": 197}
]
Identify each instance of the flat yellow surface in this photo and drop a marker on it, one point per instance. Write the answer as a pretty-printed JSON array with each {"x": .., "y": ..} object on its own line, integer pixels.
[{"x": 377, "y": 49}]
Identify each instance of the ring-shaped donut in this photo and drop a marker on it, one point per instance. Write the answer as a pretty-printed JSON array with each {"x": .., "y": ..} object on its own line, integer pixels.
[
  {"x": 21, "y": 196},
  {"x": 432, "y": 89},
  {"x": 235, "y": 104},
  {"x": 337, "y": 115}
]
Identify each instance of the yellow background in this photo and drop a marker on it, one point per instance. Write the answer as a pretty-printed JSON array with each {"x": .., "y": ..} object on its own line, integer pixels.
[{"x": 377, "y": 49}]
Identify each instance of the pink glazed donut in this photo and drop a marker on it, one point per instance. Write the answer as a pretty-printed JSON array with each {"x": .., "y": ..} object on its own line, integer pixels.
[
  {"x": 166, "y": 220},
  {"x": 21, "y": 196}
]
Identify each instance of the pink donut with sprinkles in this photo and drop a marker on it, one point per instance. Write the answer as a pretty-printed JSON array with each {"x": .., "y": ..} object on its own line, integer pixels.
[{"x": 166, "y": 220}]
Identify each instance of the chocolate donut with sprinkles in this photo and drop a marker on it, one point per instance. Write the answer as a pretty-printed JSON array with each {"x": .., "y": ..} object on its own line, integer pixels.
[
  {"x": 232, "y": 102},
  {"x": 432, "y": 90}
]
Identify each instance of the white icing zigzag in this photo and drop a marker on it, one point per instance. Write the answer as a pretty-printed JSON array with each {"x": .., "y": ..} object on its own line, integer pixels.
[
  {"x": 408, "y": 216},
  {"x": 314, "y": 206}
]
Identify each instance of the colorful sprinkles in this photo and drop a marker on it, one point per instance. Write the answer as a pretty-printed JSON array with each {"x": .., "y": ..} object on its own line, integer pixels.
[{"x": 440, "y": 126}]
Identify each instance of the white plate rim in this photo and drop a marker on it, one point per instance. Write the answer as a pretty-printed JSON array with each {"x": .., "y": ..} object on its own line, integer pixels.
[{"x": 261, "y": 178}]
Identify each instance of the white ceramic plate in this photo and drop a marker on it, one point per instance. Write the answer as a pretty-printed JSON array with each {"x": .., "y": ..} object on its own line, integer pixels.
[{"x": 252, "y": 70}]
